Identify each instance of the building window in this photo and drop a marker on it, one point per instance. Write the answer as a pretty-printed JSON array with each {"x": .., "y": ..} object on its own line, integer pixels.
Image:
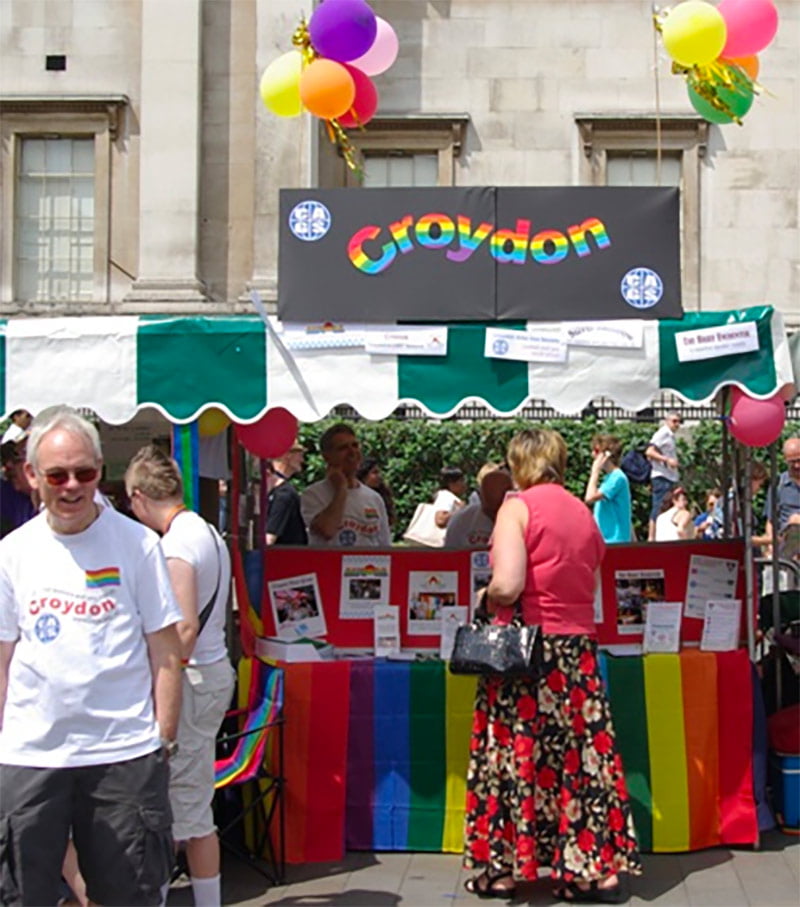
[
  {"x": 398, "y": 150},
  {"x": 56, "y": 178},
  {"x": 645, "y": 151},
  {"x": 54, "y": 221}
]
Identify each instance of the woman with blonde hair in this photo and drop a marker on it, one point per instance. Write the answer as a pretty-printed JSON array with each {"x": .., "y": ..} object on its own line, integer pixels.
[
  {"x": 200, "y": 570},
  {"x": 545, "y": 786}
]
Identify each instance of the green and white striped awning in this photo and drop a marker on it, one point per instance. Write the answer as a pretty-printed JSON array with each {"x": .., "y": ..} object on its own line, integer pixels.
[{"x": 117, "y": 366}]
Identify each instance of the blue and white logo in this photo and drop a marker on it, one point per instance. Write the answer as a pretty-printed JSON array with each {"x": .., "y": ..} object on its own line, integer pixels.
[
  {"x": 347, "y": 538},
  {"x": 500, "y": 347},
  {"x": 47, "y": 627},
  {"x": 642, "y": 288},
  {"x": 310, "y": 220},
  {"x": 480, "y": 560}
]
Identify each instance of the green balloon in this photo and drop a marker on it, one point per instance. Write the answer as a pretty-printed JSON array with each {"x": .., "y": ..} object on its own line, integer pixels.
[{"x": 738, "y": 102}]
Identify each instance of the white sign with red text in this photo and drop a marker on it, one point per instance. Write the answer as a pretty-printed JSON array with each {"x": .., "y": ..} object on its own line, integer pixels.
[{"x": 712, "y": 342}]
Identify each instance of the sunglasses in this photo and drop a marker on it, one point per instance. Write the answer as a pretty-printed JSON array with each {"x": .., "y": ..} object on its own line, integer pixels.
[{"x": 84, "y": 475}]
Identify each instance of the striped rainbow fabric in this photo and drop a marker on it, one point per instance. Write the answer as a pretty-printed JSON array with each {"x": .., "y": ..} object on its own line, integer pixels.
[
  {"x": 266, "y": 688},
  {"x": 376, "y": 752}
]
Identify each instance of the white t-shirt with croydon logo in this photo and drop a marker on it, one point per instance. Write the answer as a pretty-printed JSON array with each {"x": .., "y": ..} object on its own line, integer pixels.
[
  {"x": 364, "y": 521},
  {"x": 79, "y": 606}
]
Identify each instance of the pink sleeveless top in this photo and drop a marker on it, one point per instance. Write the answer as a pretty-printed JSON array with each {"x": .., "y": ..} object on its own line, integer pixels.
[{"x": 565, "y": 549}]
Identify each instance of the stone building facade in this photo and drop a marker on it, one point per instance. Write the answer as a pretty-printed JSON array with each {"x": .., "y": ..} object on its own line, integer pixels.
[{"x": 139, "y": 171}]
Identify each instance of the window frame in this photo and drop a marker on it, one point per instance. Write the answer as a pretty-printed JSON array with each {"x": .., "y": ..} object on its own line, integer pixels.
[
  {"x": 411, "y": 134},
  {"x": 687, "y": 135},
  {"x": 24, "y": 117}
]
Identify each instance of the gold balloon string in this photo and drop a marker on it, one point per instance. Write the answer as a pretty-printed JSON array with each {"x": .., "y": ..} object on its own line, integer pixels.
[
  {"x": 350, "y": 153},
  {"x": 302, "y": 41}
]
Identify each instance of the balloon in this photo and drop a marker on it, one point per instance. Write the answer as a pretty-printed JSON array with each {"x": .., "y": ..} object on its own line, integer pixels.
[
  {"x": 751, "y": 25},
  {"x": 756, "y": 423},
  {"x": 738, "y": 103},
  {"x": 327, "y": 89},
  {"x": 382, "y": 53},
  {"x": 366, "y": 100},
  {"x": 342, "y": 29},
  {"x": 693, "y": 33},
  {"x": 212, "y": 422},
  {"x": 271, "y": 436},
  {"x": 280, "y": 85},
  {"x": 749, "y": 65}
]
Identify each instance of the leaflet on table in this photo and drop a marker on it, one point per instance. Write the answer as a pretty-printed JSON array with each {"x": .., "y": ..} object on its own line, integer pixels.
[
  {"x": 721, "y": 625},
  {"x": 452, "y": 618},
  {"x": 480, "y": 573},
  {"x": 297, "y": 606},
  {"x": 365, "y": 584},
  {"x": 428, "y": 593},
  {"x": 545, "y": 344},
  {"x": 662, "y": 628},
  {"x": 709, "y": 578},
  {"x": 635, "y": 589},
  {"x": 598, "y": 603},
  {"x": 386, "y": 624}
]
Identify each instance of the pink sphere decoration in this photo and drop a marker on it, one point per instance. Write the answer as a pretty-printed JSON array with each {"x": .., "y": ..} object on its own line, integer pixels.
[
  {"x": 751, "y": 25},
  {"x": 383, "y": 52},
  {"x": 271, "y": 436},
  {"x": 365, "y": 103},
  {"x": 756, "y": 423}
]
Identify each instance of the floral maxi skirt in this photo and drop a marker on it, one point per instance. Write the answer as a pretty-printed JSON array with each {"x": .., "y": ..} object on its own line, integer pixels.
[{"x": 545, "y": 785}]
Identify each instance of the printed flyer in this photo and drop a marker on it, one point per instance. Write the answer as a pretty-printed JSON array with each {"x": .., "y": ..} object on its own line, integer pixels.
[
  {"x": 297, "y": 606},
  {"x": 428, "y": 593},
  {"x": 635, "y": 589},
  {"x": 365, "y": 584}
]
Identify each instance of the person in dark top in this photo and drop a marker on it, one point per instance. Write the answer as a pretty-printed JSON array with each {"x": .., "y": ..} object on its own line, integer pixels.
[
  {"x": 284, "y": 521},
  {"x": 16, "y": 504},
  {"x": 370, "y": 474}
]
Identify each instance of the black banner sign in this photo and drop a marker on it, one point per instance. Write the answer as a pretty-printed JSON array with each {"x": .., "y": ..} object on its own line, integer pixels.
[{"x": 478, "y": 254}]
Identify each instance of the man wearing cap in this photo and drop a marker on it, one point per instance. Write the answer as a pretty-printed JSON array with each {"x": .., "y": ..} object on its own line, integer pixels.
[
  {"x": 90, "y": 684},
  {"x": 285, "y": 524},
  {"x": 663, "y": 456}
]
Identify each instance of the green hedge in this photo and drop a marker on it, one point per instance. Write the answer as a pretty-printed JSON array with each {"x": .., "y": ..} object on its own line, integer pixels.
[{"x": 411, "y": 453}]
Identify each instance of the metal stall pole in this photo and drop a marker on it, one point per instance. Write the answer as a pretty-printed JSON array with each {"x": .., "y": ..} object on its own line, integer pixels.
[
  {"x": 726, "y": 467},
  {"x": 747, "y": 531},
  {"x": 776, "y": 574}
]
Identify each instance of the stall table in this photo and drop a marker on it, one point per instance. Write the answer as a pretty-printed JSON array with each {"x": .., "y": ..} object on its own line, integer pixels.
[{"x": 376, "y": 752}]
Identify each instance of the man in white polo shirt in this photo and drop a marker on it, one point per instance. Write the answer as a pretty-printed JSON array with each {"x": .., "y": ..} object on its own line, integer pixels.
[{"x": 89, "y": 684}]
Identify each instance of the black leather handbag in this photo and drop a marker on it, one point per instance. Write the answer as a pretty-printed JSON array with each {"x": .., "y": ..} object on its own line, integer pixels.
[{"x": 513, "y": 649}]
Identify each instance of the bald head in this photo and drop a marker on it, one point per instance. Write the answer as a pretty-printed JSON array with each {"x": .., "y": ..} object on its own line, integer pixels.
[{"x": 791, "y": 454}]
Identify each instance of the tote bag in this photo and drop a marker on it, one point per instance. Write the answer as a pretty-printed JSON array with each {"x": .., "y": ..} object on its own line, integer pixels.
[{"x": 422, "y": 530}]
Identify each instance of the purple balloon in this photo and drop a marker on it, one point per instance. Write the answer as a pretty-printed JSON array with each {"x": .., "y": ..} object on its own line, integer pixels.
[{"x": 342, "y": 29}]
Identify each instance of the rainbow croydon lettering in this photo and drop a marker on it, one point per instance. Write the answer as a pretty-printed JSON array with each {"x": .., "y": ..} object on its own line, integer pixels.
[
  {"x": 440, "y": 231},
  {"x": 105, "y": 576}
]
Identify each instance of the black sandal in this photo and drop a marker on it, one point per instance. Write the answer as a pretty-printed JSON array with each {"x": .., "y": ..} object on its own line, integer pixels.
[
  {"x": 485, "y": 885},
  {"x": 572, "y": 893}
]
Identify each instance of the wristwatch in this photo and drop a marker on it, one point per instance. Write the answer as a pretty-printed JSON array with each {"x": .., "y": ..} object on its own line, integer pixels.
[{"x": 170, "y": 747}]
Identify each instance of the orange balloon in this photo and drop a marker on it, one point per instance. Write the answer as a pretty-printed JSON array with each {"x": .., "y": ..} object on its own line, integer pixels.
[
  {"x": 749, "y": 64},
  {"x": 327, "y": 89}
]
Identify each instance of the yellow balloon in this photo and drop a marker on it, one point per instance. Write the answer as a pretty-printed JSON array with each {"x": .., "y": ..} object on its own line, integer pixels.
[
  {"x": 694, "y": 33},
  {"x": 280, "y": 85},
  {"x": 212, "y": 422}
]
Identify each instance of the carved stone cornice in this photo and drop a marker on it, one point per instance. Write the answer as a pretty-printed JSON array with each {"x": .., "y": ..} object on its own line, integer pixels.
[{"x": 110, "y": 105}]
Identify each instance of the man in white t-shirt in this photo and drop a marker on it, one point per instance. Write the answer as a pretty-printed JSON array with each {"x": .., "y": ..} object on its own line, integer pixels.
[
  {"x": 89, "y": 684},
  {"x": 340, "y": 510},
  {"x": 472, "y": 526},
  {"x": 663, "y": 456}
]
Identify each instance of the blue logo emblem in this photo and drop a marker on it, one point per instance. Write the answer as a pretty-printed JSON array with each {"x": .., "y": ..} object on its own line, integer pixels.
[
  {"x": 310, "y": 220},
  {"x": 642, "y": 288},
  {"x": 500, "y": 347},
  {"x": 347, "y": 538},
  {"x": 481, "y": 559},
  {"x": 47, "y": 627}
]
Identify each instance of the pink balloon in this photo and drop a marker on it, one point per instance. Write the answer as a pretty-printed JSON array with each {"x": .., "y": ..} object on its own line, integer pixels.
[
  {"x": 365, "y": 103},
  {"x": 751, "y": 25},
  {"x": 271, "y": 436},
  {"x": 382, "y": 53},
  {"x": 756, "y": 423}
]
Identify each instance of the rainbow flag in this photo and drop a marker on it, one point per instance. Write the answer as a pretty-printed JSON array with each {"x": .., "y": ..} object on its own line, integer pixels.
[{"x": 103, "y": 576}]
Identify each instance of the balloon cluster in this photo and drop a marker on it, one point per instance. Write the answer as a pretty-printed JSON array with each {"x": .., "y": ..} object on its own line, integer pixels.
[
  {"x": 715, "y": 49},
  {"x": 329, "y": 72}
]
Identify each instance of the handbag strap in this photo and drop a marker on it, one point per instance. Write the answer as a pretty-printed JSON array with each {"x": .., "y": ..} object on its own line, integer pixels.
[{"x": 204, "y": 615}]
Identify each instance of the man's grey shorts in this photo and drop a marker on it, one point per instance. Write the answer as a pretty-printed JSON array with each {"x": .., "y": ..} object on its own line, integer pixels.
[{"x": 120, "y": 820}]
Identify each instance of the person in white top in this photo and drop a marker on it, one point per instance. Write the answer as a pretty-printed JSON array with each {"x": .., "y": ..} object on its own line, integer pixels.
[
  {"x": 89, "y": 684},
  {"x": 340, "y": 510},
  {"x": 472, "y": 526},
  {"x": 200, "y": 571},
  {"x": 18, "y": 427},
  {"x": 450, "y": 496},
  {"x": 675, "y": 520},
  {"x": 662, "y": 453}
]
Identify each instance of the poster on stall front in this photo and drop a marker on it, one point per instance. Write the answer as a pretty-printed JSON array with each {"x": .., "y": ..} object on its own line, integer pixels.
[
  {"x": 709, "y": 578},
  {"x": 365, "y": 584},
  {"x": 480, "y": 571},
  {"x": 428, "y": 593},
  {"x": 451, "y": 618},
  {"x": 662, "y": 628},
  {"x": 635, "y": 589},
  {"x": 297, "y": 606},
  {"x": 386, "y": 630}
]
